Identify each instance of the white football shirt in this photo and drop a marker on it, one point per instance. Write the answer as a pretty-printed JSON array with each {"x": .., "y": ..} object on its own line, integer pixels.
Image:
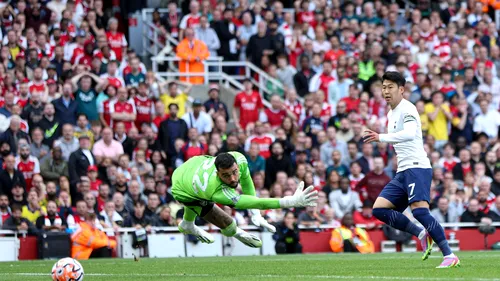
[{"x": 405, "y": 133}]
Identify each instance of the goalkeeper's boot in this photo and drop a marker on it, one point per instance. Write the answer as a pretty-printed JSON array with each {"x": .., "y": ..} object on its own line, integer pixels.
[
  {"x": 449, "y": 262},
  {"x": 426, "y": 243},
  {"x": 190, "y": 228},
  {"x": 248, "y": 239}
]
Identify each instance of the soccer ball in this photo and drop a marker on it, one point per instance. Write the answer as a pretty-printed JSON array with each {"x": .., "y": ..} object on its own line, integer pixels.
[{"x": 67, "y": 269}]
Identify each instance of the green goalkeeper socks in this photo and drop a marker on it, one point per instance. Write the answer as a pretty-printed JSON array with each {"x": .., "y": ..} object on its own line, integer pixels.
[
  {"x": 189, "y": 215},
  {"x": 230, "y": 231}
]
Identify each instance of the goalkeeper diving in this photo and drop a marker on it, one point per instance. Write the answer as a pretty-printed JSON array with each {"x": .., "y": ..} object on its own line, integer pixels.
[{"x": 204, "y": 180}]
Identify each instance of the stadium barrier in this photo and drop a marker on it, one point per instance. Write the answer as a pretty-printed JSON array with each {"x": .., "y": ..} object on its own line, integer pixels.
[{"x": 166, "y": 242}]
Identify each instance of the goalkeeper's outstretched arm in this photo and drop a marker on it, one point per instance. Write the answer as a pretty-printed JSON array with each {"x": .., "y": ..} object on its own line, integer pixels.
[{"x": 301, "y": 198}]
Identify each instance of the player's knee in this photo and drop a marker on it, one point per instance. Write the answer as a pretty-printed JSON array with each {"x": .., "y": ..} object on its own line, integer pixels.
[{"x": 420, "y": 212}]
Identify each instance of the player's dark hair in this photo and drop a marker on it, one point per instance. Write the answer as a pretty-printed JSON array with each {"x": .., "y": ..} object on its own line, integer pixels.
[
  {"x": 395, "y": 77},
  {"x": 224, "y": 161}
]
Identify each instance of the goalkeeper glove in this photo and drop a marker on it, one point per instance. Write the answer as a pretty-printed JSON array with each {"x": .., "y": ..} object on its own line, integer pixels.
[
  {"x": 301, "y": 198},
  {"x": 258, "y": 220}
]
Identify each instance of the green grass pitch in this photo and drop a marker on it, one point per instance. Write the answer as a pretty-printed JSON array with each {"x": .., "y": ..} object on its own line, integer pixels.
[{"x": 481, "y": 266}]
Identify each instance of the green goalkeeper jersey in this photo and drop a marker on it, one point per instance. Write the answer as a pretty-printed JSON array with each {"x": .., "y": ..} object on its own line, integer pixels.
[{"x": 197, "y": 179}]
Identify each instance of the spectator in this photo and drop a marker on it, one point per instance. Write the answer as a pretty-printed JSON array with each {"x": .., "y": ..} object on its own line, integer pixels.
[
  {"x": 339, "y": 88},
  {"x": 80, "y": 160},
  {"x": 152, "y": 206},
  {"x": 51, "y": 190},
  {"x": 333, "y": 144},
  {"x": 256, "y": 163},
  {"x": 8, "y": 104},
  {"x": 164, "y": 217},
  {"x": 50, "y": 125},
  {"x": 122, "y": 109},
  {"x": 33, "y": 210},
  {"x": 107, "y": 147},
  {"x": 54, "y": 166},
  {"x": 488, "y": 121},
  {"x": 33, "y": 112},
  {"x": 374, "y": 181},
  {"x": 446, "y": 212},
  {"x": 192, "y": 52},
  {"x": 198, "y": 119},
  {"x": 439, "y": 114},
  {"x": 473, "y": 214},
  {"x": 5, "y": 211},
  {"x": 227, "y": 34},
  {"x": 366, "y": 216},
  {"x": 10, "y": 177},
  {"x": 18, "y": 223},
  {"x": 169, "y": 131},
  {"x": 287, "y": 236},
  {"x": 86, "y": 95},
  {"x": 247, "y": 106},
  {"x": 311, "y": 218},
  {"x": 83, "y": 128},
  {"x": 302, "y": 78},
  {"x": 277, "y": 113},
  {"x": 51, "y": 222},
  {"x": 138, "y": 218},
  {"x": 321, "y": 81},
  {"x": 278, "y": 161},
  {"x": 13, "y": 134},
  {"x": 344, "y": 200},
  {"x": 313, "y": 125},
  {"x": 120, "y": 207},
  {"x": 214, "y": 106},
  {"x": 90, "y": 242},
  {"x": 192, "y": 148},
  {"x": 144, "y": 106},
  {"x": 134, "y": 195},
  {"x": 176, "y": 96},
  {"x": 465, "y": 166},
  {"x": 135, "y": 77},
  {"x": 68, "y": 143},
  {"x": 111, "y": 217},
  {"x": 37, "y": 148},
  {"x": 366, "y": 160},
  {"x": 27, "y": 164},
  {"x": 78, "y": 217},
  {"x": 350, "y": 239},
  {"x": 259, "y": 45}
]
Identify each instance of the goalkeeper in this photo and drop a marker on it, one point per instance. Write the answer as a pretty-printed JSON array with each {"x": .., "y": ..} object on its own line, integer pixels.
[{"x": 203, "y": 180}]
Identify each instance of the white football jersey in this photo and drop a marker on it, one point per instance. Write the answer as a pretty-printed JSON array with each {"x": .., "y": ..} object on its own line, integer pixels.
[{"x": 408, "y": 144}]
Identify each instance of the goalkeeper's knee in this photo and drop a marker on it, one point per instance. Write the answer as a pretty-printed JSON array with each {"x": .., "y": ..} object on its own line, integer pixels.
[{"x": 230, "y": 230}]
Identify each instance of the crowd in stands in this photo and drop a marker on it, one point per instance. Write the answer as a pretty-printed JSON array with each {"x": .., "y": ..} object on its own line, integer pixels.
[{"x": 86, "y": 128}]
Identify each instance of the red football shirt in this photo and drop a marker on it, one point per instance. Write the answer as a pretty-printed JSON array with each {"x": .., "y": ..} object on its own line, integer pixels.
[
  {"x": 351, "y": 104},
  {"x": 144, "y": 107},
  {"x": 37, "y": 86},
  {"x": 29, "y": 169},
  {"x": 264, "y": 143},
  {"x": 117, "y": 42},
  {"x": 123, "y": 107},
  {"x": 275, "y": 117},
  {"x": 249, "y": 106}
]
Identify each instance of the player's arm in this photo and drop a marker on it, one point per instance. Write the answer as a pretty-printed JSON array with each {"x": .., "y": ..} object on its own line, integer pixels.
[
  {"x": 407, "y": 134},
  {"x": 301, "y": 198}
]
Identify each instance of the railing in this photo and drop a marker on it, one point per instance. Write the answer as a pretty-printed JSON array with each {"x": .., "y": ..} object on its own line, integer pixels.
[
  {"x": 150, "y": 34},
  {"x": 217, "y": 63}
]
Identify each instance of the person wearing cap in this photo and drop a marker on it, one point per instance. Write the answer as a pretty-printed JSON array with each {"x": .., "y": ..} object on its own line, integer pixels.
[
  {"x": 192, "y": 52},
  {"x": 439, "y": 114},
  {"x": 214, "y": 106},
  {"x": 198, "y": 118},
  {"x": 80, "y": 160},
  {"x": 54, "y": 166}
]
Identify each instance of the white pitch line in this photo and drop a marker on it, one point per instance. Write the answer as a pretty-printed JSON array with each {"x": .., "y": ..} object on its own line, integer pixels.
[{"x": 345, "y": 277}]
